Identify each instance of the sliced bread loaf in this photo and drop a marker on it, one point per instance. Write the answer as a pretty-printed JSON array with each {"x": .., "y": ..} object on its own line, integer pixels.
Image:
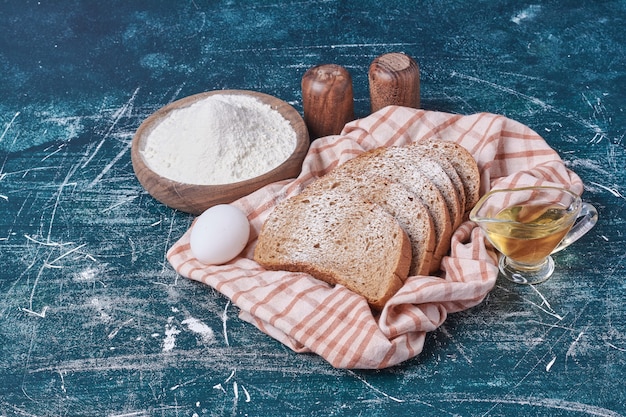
[
  {"x": 378, "y": 162},
  {"x": 374, "y": 219},
  {"x": 395, "y": 199},
  {"x": 338, "y": 238},
  {"x": 416, "y": 150},
  {"x": 436, "y": 174},
  {"x": 463, "y": 162}
]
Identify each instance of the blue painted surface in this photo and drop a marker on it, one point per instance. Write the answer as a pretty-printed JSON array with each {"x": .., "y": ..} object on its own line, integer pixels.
[{"x": 93, "y": 321}]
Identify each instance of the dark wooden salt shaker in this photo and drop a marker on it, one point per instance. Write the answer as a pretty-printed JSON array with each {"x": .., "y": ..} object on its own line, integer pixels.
[
  {"x": 394, "y": 79},
  {"x": 327, "y": 99}
]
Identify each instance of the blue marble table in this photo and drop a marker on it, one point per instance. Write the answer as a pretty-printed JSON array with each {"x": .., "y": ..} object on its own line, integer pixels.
[{"x": 95, "y": 322}]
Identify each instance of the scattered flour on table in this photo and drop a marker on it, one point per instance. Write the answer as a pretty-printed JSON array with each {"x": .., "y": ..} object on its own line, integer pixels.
[
  {"x": 221, "y": 139},
  {"x": 170, "y": 335},
  {"x": 193, "y": 324},
  {"x": 196, "y": 326}
]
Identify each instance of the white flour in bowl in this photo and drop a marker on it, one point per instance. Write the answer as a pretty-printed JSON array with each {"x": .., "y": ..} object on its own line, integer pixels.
[{"x": 219, "y": 140}]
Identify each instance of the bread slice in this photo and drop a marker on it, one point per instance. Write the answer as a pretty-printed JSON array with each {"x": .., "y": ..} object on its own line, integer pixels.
[
  {"x": 378, "y": 162},
  {"x": 396, "y": 200},
  {"x": 425, "y": 151},
  {"x": 465, "y": 165},
  {"x": 434, "y": 172},
  {"x": 338, "y": 238}
]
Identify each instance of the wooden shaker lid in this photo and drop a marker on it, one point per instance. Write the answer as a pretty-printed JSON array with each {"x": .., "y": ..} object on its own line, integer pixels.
[
  {"x": 394, "y": 79},
  {"x": 327, "y": 99}
]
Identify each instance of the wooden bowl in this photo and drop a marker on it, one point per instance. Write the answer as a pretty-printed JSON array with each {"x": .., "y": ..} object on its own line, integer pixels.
[{"x": 194, "y": 198}]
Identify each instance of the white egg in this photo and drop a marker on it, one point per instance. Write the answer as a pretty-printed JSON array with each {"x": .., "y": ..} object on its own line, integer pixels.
[{"x": 219, "y": 234}]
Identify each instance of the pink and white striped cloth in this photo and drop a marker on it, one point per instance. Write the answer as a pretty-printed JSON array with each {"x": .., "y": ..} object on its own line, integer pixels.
[{"x": 309, "y": 315}]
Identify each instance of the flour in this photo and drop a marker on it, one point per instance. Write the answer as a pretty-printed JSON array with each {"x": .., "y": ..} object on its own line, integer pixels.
[
  {"x": 196, "y": 326},
  {"x": 170, "y": 335},
  {"x": 219, "y": 140}
]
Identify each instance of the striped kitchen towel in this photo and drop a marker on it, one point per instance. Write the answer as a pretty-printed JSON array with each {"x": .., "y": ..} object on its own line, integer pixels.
[{"x": 309, "y": 315}]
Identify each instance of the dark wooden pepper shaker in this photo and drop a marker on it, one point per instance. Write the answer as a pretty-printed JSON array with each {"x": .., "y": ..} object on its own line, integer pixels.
[
  {"x": 394, "y": 78},
  {"x": 327, "y": 99}
]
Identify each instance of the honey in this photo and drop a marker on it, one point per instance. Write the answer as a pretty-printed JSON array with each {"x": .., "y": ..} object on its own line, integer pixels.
[{"x": 528, "y": 233}]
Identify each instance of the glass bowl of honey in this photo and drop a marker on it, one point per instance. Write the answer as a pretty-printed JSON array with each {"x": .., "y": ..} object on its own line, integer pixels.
[{"x": 527, "y": 225}]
